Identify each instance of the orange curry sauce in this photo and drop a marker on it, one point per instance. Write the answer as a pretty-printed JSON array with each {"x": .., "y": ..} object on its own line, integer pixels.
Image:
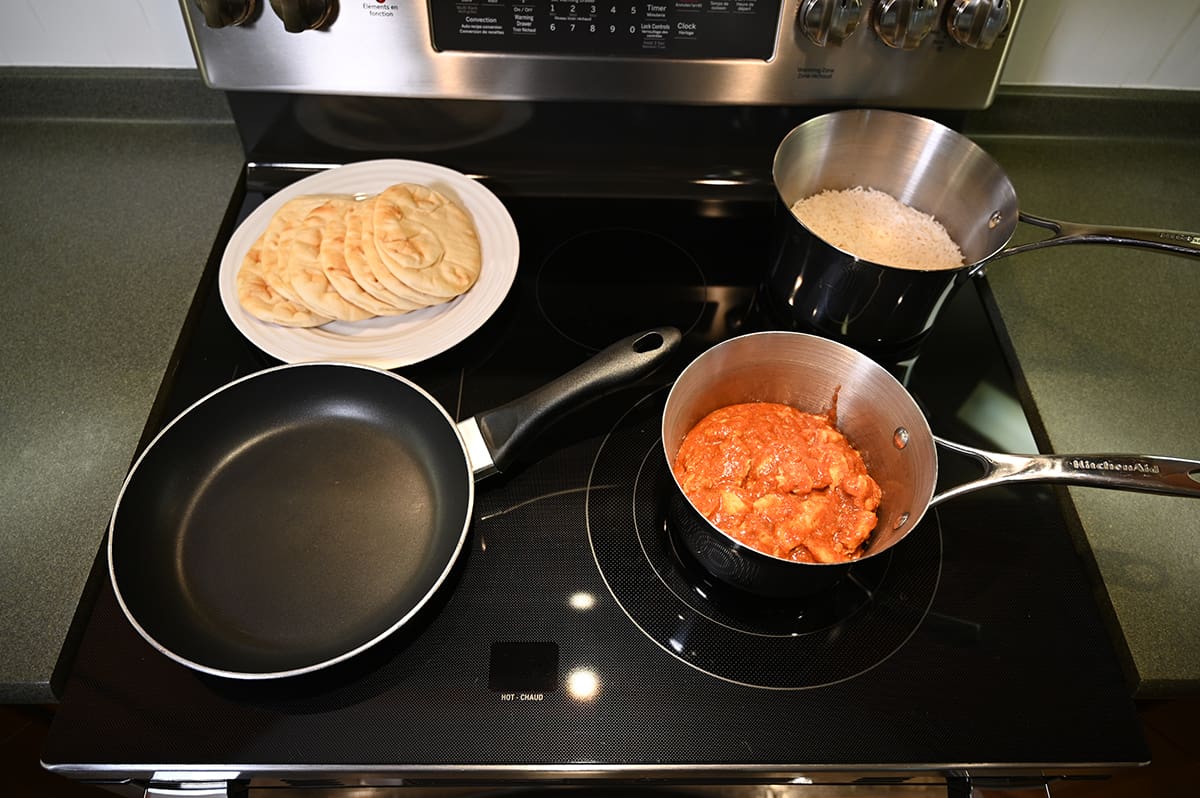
[{"x": 779, "y": 480}]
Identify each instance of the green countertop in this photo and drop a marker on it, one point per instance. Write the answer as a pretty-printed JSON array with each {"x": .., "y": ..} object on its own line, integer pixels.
[
  {"x": 1107, "y": 342},
  {"x": 115, "y": 184}
]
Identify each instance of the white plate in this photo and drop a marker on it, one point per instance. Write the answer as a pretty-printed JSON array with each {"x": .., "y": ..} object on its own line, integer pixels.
[{"x": 393, "y": 341}]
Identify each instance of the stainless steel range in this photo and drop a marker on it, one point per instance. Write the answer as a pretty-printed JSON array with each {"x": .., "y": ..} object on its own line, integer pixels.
[
  {"x": 576, "y": 643},
  {"x": 917, "y": 53}
]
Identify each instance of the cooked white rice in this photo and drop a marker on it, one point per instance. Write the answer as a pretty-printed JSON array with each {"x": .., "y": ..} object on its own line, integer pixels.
[{"x": 875, "y": 226}]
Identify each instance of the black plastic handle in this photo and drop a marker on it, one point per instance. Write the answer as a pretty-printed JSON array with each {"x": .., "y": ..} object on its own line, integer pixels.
[{"x": 505, "y": 428}]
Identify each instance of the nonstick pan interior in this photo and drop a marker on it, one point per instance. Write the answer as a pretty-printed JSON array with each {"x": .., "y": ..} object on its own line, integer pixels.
[{"x": 291, "y": 519}]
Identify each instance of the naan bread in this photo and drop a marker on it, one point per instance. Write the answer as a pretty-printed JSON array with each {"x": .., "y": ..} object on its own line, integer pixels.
[
  {"x": 357, "y": 246},
  {"x": 277, "y": 241},
  {"x": 301, "y": 268},
  {"x": 337, "y": 270},
  {"x": 326, "y": 257},
  {"x": 425, "y": 240},
  {"x": 384, "y": 274},
  {"x": 263, "y": 302}
]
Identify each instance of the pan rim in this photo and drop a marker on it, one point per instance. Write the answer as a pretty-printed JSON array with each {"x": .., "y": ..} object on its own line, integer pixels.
[
  {"x": 928, "y": 125},
  {"x": 343, "y": 655}
]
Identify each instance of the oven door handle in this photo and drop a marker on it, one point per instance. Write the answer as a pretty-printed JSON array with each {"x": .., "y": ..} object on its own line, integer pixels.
[
  {"x": 964, "y": 786},
  {"x": 203, "y": 785}
]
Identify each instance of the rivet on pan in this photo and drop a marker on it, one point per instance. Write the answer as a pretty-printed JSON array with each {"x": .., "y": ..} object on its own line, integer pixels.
[
  {"x": 900, "y": 438},
  {"x": 995, "y": 220},
  {"x": 901, "y": 521}
]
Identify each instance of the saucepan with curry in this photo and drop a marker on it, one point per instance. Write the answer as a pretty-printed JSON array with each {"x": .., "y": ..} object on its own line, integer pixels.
[{"x": 796, "y": 456}]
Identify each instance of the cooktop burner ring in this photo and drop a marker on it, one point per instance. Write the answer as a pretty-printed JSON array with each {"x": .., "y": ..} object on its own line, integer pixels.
[
  {"x": 589, "y": 271},
  {"x": 723, "y": 632},
  {"x": 736, "y": 609}
]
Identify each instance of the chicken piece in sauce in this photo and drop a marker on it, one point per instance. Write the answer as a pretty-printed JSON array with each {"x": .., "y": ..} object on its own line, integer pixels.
[{"x": 779, "y": 480}]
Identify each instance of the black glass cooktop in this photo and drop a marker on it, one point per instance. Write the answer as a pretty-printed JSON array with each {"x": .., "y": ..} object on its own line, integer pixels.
[{"x": 576, "y": 639}]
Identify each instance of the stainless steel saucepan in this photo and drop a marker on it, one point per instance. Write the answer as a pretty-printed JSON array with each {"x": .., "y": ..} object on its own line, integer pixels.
[
  {"x": 813, "y": 286},
  {"x": 882, "y": 420}
]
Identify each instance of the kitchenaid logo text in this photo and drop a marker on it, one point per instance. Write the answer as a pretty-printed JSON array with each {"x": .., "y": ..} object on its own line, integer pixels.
[
  {"x": 814, "y": 73},
  {"x": 1107, "y": 465},
  {"x": 1186, "y": 238}
]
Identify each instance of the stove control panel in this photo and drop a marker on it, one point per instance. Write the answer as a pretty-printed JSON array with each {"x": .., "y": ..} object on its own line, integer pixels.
[
  {"x": 898, "y": 53},
  {"x": 693, "y": 29}
]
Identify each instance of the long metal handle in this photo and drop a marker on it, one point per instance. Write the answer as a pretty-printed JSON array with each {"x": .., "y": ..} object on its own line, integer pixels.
[
  {"x": 1175, "y": 242},
  {"x": 1136, "y": 472}
]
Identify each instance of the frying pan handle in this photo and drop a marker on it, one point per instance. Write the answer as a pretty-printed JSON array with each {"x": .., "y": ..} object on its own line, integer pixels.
[
  {"x": 1137, "y": 472},
  {"x": 1173, "y": 241},
  {"x": 505, "y": 428}
]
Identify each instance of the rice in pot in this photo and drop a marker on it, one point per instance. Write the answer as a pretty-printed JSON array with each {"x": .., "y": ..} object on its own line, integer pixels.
[{"x": 875, "y": 226}]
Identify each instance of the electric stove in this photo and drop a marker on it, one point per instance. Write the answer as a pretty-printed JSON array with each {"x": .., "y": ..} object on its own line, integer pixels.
[
  {"x": 576, "y": 644},
  {"x": 576, "y": 641}
]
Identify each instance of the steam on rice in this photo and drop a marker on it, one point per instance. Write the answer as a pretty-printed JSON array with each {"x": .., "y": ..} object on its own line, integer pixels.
[{"x": 875, "y": 226}]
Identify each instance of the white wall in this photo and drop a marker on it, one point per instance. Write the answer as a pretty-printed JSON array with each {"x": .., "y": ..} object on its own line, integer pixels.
[
  {"x": 1119, "y": 43},
  {"x": 1114, "y": 43},
  {"x": 117, "y": 33}
]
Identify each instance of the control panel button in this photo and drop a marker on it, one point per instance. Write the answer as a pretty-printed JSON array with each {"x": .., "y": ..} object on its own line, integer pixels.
[
  {"x": 977, "y": 23},
  {"x": 302, "y": 15},
  {"x": 220, "y": 13},
  {"x": 904, "y": 23},
  {"x": 829, "y": 22}
]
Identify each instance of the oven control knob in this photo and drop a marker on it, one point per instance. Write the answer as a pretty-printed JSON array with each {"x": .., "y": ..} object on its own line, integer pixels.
[
  {"x": 301, "y": 15},
  {"x": 828, "y": 22},
  {"x": 977, "y": 23},
  {"x": 904, "y": 23},
  {"x": 220, "y": 13}
]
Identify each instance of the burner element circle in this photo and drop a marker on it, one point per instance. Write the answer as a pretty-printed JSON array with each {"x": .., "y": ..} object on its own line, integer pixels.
[
  {"x": 583, "y": 286},
  {"x": 782, "y": 644}
]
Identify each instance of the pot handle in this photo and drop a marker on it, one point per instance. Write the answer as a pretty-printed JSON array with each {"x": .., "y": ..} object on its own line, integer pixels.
[
  {"x": 1137, "y": 472},
  {"x": 1175, "y": 242},
  {"x": 504, "y": 429}
]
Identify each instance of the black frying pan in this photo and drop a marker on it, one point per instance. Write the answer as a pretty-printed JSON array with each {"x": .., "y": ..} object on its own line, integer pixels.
[{"x": 297, "y": 516}]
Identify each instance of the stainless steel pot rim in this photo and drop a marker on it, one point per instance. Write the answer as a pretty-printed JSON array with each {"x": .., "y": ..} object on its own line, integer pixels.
[{"x": 1007, "y": 216}]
